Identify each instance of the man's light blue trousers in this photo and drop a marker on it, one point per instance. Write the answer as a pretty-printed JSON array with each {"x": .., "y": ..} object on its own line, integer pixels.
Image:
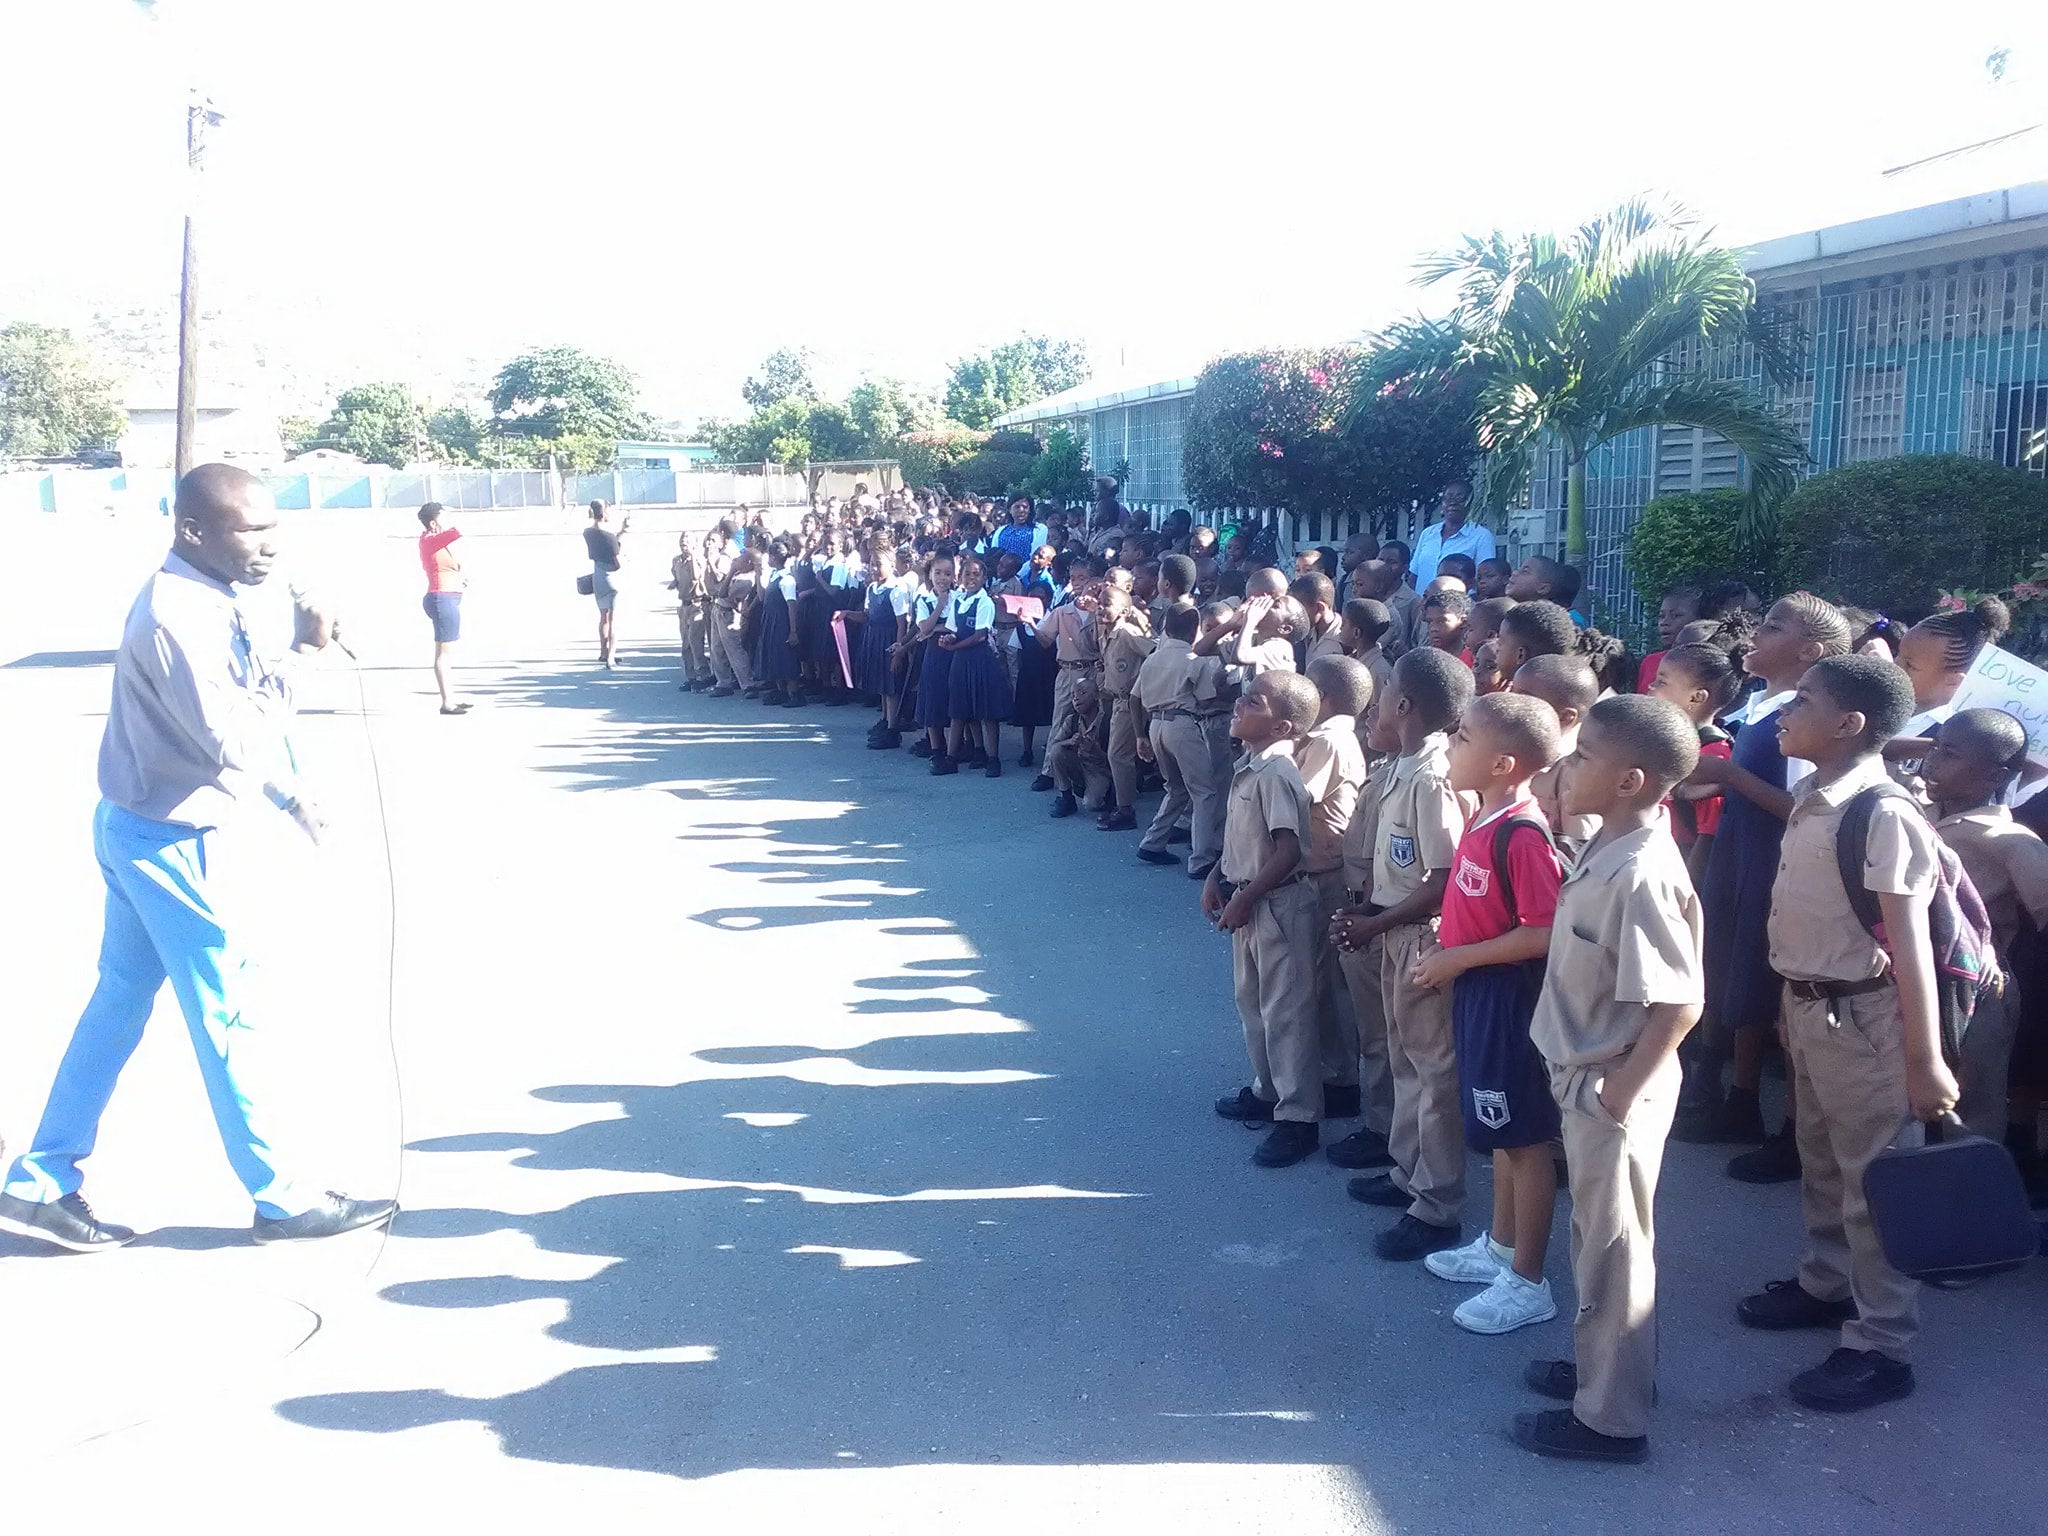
[{"x": 171, "y": 891}]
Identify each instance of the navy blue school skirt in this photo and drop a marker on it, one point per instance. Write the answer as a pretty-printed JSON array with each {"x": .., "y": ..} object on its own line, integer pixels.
[
  {"x": 979, "y": 687},
  {"x": 1037, "y": 671},
  {"x": 1503, "y": 1083},
  {"x": 934, "y": 694},
  {"x": 871, "y": 672},
  {"x": 775, "y": 661}
]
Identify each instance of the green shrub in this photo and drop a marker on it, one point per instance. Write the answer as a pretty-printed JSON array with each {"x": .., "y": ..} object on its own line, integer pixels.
[
  {"x": 990, "y": 472},
  {"x": 1060, "y": 473},
  {"x": 1689, "y": 536},
  {"x": 1894, "y": 533}
]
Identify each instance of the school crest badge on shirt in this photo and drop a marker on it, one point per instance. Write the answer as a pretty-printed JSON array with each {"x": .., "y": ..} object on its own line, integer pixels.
[
  {"x": 1402, "y": 851},
  {"x": 1490, "y": 1106},
  {"x": 1474, "y": 880}
]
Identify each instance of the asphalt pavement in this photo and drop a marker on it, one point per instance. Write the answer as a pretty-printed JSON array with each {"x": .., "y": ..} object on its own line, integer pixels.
[{"x": 787, "y": 1136}]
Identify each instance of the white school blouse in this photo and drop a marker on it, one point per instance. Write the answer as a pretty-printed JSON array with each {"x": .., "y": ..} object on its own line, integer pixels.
[{"x": 969, "y": 611}]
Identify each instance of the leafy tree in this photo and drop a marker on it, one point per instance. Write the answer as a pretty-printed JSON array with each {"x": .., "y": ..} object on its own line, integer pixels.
[
  {"x": 1690, "y": 535},
  {"x": 930, "y": 456},
  {"x": 297, "y": 433},
  {"x": 1409, "y": 422},
  {"x": 564, "y": 401},
  {"x": 381, "y": 423},
  {"x": 791, "y": 433},
  {"x": 1893, "y": 533},
  {"x": 884, "y": 411},
  {"x": 1060, "y": 472},
  {"x": 984, "y": 386},
  {"x": 53, "y": 399},
  {"x": 785, "y": 375},
  {"x": 1263, "y": 429},
  {"x": 1576, "y": 335},
  {"x": 456, "y": 435}
]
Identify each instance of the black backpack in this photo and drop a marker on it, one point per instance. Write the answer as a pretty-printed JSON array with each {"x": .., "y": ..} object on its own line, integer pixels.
[
  {"x": 1503, "y": 834},
  {"x": 1958, "y": 927}
]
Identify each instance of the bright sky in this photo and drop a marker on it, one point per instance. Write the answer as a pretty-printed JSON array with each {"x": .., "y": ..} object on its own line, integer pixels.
[{"x": 688, "y": 185}]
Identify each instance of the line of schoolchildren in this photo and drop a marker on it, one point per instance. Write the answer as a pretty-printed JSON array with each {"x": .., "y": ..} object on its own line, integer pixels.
[{"x": 1479, "y": 892}]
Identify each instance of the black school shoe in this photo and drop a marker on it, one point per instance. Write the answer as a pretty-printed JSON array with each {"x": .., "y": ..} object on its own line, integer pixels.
[
  {"x": 1555, "y": 1379},
  {"x": 1287, "y": 1144},
  {"x": 921, "y": 748},
  {"x": 1557, "y": 1432},
  {"x": 1063, "y": 804},
  {"x": 1246, "y": 1107},
  {"x": 1161, "y": 856},
  {"x": 995, "y": 768},
  {"x": 1410, "y": 1238},
  {"x": 1786, "y": 1304},
  {"x": 1729, "y": 1120},
  {"x": 1363, "y": 1148},
  {"x": 1341, "y": 1101},
  {"x": 332, "y": 1216},
  {"x": 1117, "y": 821},
  {"x": 67, "y": 1223},
  {"x": 1377, "y": 1189},
  {"x": 1850, "y": 1379},
  {"x": 1775, "y": 1162},
  {"x": 885, "y": 741},
  {"x": 943, "y": 765},
  {"x": 1042, "y": 783}
]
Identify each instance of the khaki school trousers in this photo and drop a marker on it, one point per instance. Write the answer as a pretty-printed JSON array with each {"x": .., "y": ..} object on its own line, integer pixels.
[
  {"x": 726, "y": 632},
  {"x": 1271, "y": 961},
  {"x": 1336, "y": 1025},
  {"x": 1194, "y": 791},
  {"x": 1614, "y": 1169},
  {"x": 1364, "y": 980},
  {"x": 1064, "y": 720},
  {"x": 1123, "y": 750},
  {"x": 1427, "y": 1138},
  {"x": 1849, "y": 1073},
  {"x": 696, "y": 637}
]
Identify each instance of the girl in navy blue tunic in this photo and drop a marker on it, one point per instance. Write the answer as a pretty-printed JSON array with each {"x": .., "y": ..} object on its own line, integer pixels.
[
  {"x": 934, "y": 663},
  {"x": 873, "y": 663},
  {"x": 979, "y": 688},
  {"x": 1756, "y": 781},
  {"x": 776, "y": 662}
]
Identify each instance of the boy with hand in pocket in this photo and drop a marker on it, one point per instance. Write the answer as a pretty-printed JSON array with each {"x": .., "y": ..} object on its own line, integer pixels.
[{"x": 1623, "y": 987}]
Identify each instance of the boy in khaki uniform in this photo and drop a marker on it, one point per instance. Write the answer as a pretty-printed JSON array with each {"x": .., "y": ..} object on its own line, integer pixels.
[
  {"x": 1069, "y": 632},
  {"x": 1420, "y": 821},
  {"x": 1860, "y": 1028},
  {"x": 1332, "y": 767},
  {"x": 686, "y": 574},
  {"x": 1623, "y": 987},
  {"x": 1125, "y": 637},
  {"x": 1366, "y": 1147},
  {"x": 1077, "y": 763},
  {"x": 1971, "y": 765},
  {"x": 1256, "y": 895},
  {"x": 1172, "y": 684}
]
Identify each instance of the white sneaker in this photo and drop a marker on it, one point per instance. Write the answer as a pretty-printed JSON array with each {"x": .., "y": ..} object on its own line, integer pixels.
[
  {"x": 1509, "y": 1303},
  {"x": 1472, "y": 1264}
]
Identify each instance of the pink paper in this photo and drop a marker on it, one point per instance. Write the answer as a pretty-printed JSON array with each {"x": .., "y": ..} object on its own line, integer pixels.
[
  {"x": 1028, "y": 610},
  {"x": 839, "y": 639}
]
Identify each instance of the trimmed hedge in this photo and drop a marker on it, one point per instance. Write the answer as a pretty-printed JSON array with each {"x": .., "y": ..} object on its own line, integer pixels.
[
  {"x": 1893, "y": 534},
  {"x": 1687, "y": 537}
]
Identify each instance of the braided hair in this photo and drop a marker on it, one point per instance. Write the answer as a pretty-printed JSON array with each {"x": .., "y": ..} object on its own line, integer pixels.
[
  {"x": 1822, "y": 621},
  {"x": 1968, "y": 630}
]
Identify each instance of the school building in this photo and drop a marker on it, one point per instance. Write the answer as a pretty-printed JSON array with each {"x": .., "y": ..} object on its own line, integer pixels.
[{"x": 1923, "y": 332}]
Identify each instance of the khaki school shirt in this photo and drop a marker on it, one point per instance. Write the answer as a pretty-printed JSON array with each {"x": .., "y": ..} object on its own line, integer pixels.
[
  {"x": 1421, "y": 820},
  {"x": 1332, "y": 769},
  {"x": 1074, "y": 633},
  {"x": 1627, "y": 934},
  {"x": 1123, "y": 651},
  {"x": 1361, "y": 838},
  {"x": 2006, "y": 862},
  {"x": 1325, "y": 644},
  {"x": 1815, "y": 935},
  {"x": 1164, "y": 678},
  {"x": 1266, "y": 795},
  {"x": 1407, "y": 634},
  {"x": 1275, "y": 655}
]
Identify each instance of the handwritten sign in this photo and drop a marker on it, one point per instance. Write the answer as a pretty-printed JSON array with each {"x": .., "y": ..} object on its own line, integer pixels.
[{"x": 2000, "y": 680}]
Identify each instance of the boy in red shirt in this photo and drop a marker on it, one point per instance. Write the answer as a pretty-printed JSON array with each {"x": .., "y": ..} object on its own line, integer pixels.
[{"x": 1495, "y": 933}]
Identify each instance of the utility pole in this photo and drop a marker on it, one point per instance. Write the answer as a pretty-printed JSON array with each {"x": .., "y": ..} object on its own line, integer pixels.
[{"x": 199, "y": 116}]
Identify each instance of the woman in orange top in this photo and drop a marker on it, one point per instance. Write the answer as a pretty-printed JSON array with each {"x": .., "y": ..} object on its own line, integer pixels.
[{"x": 443, "y": 602}]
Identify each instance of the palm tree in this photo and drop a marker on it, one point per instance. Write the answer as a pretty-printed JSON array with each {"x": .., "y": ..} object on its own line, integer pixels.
[{"x": 1579, "y": 337}]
